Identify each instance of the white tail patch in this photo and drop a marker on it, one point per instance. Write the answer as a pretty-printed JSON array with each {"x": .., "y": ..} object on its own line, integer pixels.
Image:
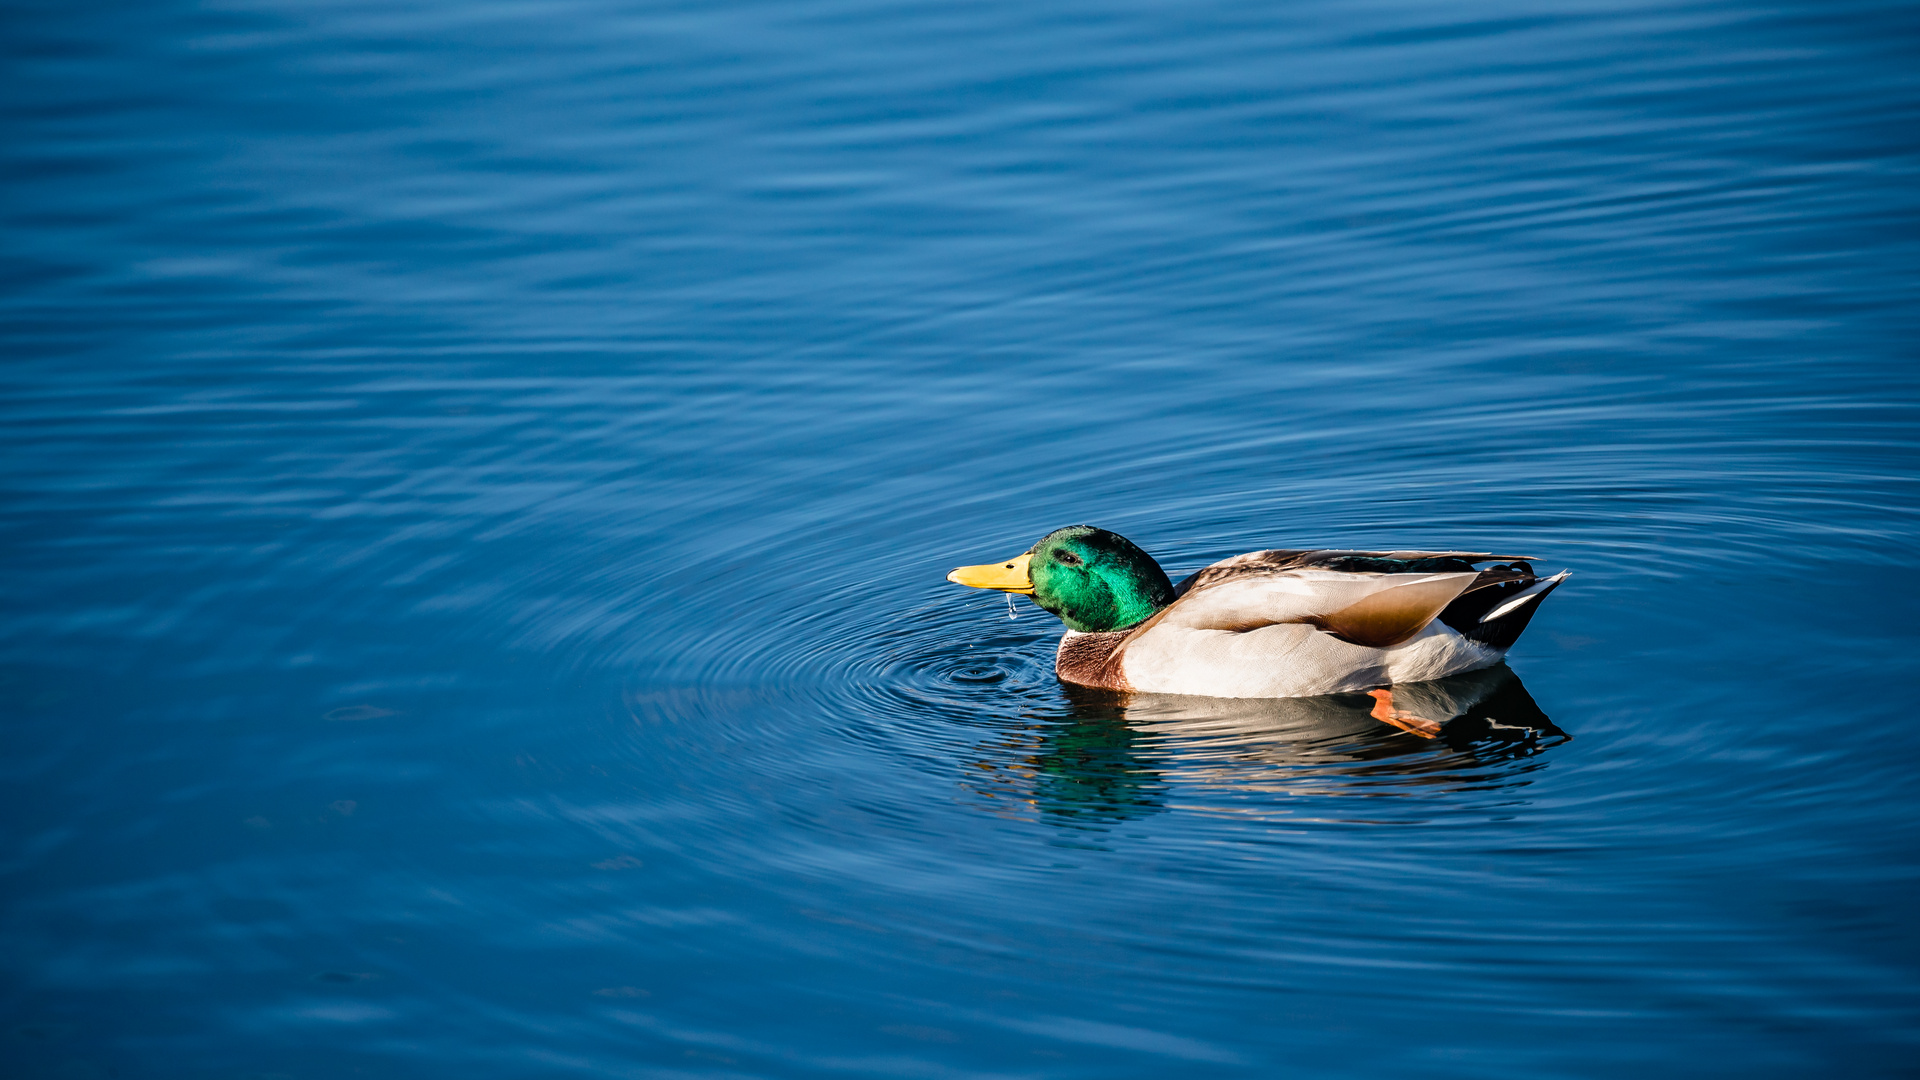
[{"x": 1538, "y": 587}]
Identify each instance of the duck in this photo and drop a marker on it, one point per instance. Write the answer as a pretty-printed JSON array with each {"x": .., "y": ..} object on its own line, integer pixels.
[{"x": 1276, "y": 623}]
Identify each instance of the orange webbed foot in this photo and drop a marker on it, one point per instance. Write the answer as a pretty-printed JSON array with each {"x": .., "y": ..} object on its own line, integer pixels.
[{"x": 1384, "y": 712}]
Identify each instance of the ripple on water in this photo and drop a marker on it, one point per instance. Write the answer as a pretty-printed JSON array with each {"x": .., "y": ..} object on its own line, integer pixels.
[
  {"x": 478, "y": 486},
  {"x": 950, "y": 686}
]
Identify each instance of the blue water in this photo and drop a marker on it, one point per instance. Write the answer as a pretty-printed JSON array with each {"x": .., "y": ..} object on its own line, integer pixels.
[{"x": 476, "y": 481}]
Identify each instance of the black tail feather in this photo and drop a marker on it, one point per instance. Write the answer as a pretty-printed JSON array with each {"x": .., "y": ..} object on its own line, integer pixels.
[{"x": 1501, "y": 631}]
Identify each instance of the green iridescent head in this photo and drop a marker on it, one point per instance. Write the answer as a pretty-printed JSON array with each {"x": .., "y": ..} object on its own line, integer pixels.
[{"x": 1094, "y": 580}]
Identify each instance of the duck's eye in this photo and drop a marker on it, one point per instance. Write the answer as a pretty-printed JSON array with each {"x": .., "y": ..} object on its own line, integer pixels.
[{"x": 1067, "y": 557}]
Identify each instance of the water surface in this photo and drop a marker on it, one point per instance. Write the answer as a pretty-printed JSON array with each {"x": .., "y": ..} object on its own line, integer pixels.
[{"x": 478, "y": 480}]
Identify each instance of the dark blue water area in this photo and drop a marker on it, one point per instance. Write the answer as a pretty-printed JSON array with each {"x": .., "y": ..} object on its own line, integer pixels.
[{"x": 476, "y": 482}]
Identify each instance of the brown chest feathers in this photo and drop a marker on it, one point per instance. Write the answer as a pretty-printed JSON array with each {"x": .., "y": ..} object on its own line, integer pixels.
[{"x": 1092, "y": 660}]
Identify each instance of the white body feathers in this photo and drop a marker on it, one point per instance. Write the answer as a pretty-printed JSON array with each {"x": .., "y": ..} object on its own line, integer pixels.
[{"x": 1274, "y": 635}]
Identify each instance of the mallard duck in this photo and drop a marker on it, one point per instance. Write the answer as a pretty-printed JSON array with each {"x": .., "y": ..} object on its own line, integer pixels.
[{"x": 1279, "y": 623}]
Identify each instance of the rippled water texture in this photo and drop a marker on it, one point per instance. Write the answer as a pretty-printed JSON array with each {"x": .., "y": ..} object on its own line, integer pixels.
[{"x": 478, "y": 479}]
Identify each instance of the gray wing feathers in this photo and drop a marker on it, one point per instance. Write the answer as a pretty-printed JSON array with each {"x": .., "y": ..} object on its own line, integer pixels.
[
  {"x": 1386, "y": 618},
  {"x": 1281, "y": 560},
  {"x": 1491, "y": 605}
]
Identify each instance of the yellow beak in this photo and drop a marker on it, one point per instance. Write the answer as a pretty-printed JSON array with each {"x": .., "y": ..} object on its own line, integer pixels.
[{"x": 1009, "y": 576}]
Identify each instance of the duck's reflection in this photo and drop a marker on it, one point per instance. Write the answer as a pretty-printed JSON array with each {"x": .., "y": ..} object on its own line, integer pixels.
[
  {"x": 1083, "y": 767},
  {"x": 1109, "y": 757}
]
